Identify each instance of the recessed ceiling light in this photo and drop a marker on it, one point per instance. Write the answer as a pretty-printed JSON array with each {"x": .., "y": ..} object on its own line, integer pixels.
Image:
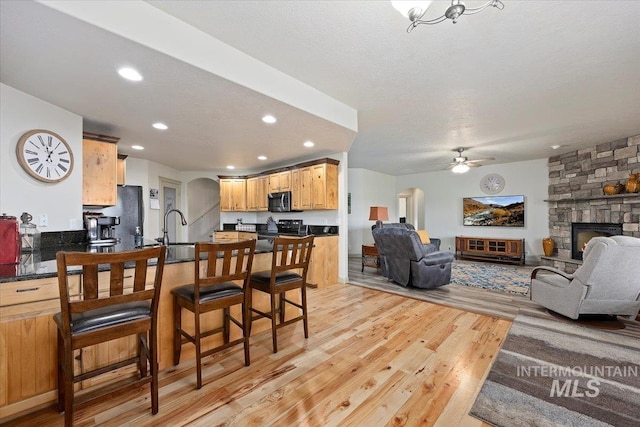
[
  {"x": 137, "y": 147},
  {"x": 160, "y": 126},
  {"x": 555, "y": 147},
  {"x": 262, "y": 157},
  {"x": 231, "y": 167},
  {"x": 269, "y": 119},
  {"x": 130, "y": 74},
  {"x": 308, "y": 144}
]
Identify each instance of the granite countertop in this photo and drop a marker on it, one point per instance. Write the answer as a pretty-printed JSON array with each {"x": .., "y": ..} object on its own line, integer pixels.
[{"x": 42, "y": 264}]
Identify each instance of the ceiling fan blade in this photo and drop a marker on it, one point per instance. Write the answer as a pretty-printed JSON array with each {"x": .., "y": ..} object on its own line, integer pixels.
[{"x": 486, "y": 159}]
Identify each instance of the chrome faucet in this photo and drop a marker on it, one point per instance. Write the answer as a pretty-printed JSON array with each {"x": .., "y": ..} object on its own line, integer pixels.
[{"x": 165, "y": 237}]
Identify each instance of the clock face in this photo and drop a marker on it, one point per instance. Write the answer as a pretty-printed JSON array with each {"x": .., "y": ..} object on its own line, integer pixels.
[
  {"x": 492, "y": 183},
  {"x": 45, "y": 155}
]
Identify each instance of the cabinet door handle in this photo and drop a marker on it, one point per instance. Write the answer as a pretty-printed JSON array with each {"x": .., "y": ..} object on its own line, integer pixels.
[{"x": 27, "y": 289}]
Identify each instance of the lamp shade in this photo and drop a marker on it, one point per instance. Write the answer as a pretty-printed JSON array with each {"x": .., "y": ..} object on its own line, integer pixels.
[{"x": 378, "y": 213}]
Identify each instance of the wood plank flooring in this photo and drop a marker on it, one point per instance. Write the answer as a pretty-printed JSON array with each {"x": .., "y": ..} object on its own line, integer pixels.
[
  {"x": 477, "y": 300},
  {"x": 372, "y": 359}
]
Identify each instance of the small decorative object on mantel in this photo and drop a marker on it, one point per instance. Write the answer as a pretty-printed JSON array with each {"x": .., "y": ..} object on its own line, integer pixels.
[
  {"x": 547, "y": 246},
  {"x": 632, "y": 183},
  {"x": 611, "y": 189}
]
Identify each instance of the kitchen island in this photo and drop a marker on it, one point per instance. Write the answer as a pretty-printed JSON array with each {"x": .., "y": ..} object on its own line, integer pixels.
[{"x": 28, "y": 335}]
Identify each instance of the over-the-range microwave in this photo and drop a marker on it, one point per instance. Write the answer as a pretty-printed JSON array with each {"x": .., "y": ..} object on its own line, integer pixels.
[{"x": 280, "y": 202}]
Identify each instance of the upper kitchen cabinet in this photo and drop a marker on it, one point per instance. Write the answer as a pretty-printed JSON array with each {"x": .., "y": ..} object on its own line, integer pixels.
[
  {"x": 262, "y": 191},
  {"x": 99, "y": 170},
  {"x": 257, "y": 191},
  {"x": 122, "y": 169},
  {"x": 318, "y": 187},
  {"x": 280, "y": 181},
  {"x": 233, "y": 194},
  {"x": 252, "y": 194}
]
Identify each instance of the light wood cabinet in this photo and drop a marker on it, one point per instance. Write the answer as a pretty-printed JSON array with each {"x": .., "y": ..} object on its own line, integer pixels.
[
  {"x": 313, "y": 185},
  {"x": 232, "y": 236},
  {"x": 28, "y": 337},
  {"x": 257, "y": 191},
  {"x": 233, "y": 195},
  {"x": 324, "y": 186},
  {"x": 317, "y": 187},
  {"x": 99, "y": 173},
  {"x": 262, "y": 192},
  {"x": 280, "y": 181},
  {"x": 323, "y": 266},
  {"x": 252, "y": 194},
  {"x": 295, "y": 190},
  {"x": 122, "y": 169},
  {"x": 485, "y": 248}
]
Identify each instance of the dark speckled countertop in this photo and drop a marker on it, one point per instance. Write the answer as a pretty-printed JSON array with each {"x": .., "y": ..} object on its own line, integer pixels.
[{"x": 42, "y": 264}]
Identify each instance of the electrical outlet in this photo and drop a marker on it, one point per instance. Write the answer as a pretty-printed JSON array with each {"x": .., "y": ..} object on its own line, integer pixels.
[
  {"x": 44, "y": 220},
  {"x": 73, "y": 224}
]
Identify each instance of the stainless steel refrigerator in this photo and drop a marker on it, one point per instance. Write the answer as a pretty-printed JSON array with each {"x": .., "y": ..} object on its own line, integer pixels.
[{"x": 130, "y": 209}]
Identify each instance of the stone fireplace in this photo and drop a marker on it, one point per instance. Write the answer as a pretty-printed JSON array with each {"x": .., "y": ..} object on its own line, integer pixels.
[
  {"x": 582, "y": 232},
  {"x": 576, "y": 181}
]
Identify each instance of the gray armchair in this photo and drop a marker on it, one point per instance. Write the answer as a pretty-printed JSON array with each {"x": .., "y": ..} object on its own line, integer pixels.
[
  {"x": 433, "y": 246},
  {"x": 608, "y": 281},
  {"x": 405, "y": 260}
]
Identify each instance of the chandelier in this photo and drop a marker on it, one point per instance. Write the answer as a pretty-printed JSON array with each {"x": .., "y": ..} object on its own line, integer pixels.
[{"x": 415, "y": 10}]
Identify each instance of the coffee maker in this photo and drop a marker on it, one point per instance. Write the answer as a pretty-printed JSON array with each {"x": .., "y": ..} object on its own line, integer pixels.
[{"x": 101, "y": 229}]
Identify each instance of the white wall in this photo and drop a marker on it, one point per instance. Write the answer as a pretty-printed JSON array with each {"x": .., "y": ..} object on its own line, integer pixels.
[
  {"x": 444, "y": 190},
  {"x": 19, "y": 192},
  {"x": 368, "y": 188}
]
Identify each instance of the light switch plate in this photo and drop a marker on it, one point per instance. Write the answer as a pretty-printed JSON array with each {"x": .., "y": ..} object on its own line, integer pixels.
[{"x": 44, "y": 220}]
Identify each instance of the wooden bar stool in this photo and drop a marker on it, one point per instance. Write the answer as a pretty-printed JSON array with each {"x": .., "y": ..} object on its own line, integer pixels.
[
  {"x": 289, "y": 254},
  {"x": 104, "y": 311},
  {"x": 214, "y": 289}
]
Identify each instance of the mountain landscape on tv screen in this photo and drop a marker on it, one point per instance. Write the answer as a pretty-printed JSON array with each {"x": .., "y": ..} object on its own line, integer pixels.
[{"x": 503, "y": 211}]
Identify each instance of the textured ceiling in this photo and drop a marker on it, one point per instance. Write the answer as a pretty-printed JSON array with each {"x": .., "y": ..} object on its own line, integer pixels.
[{"x": 506, "y": 84}]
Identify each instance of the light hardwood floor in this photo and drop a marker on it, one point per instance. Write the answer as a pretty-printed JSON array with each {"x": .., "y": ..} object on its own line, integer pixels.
[
  {"x": 493, "y": 303},
  {"x": 372, "y": 359}
]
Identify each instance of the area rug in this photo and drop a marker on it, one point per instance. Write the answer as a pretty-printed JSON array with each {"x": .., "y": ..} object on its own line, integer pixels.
[
  {"x": 551, "y": 372},
  {"x": 505, "y": 278}
]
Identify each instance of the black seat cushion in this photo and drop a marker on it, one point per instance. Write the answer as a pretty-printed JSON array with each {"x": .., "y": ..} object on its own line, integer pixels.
[
  {"x": 208, "y": 293},
  {"x": 281, "y": 278},
  {"x": 106, "y": 316}
]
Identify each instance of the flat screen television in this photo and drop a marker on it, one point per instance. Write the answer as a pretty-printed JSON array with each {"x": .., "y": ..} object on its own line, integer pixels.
[{"x": 496, "y": 211}]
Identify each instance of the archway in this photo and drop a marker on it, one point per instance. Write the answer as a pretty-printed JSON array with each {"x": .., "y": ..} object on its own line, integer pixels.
[{"x": 203, "y": 201}]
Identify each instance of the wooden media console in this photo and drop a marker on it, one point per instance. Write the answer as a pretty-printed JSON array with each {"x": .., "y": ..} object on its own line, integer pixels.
[{"x": 490, "y": 249}]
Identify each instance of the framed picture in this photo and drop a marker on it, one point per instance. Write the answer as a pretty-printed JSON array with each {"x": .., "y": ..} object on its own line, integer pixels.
[{"x": 494, "y": 211}]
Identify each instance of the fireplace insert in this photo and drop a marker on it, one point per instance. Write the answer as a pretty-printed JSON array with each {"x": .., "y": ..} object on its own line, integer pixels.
[{"x": 582, "y": 232}]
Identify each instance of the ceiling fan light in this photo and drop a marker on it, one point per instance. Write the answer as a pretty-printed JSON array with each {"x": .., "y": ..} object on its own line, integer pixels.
[{"x": 460, "y": 168}]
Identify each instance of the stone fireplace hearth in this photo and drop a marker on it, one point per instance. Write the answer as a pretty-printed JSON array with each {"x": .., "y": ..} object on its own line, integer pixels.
[{"x": 576, "y": 181}]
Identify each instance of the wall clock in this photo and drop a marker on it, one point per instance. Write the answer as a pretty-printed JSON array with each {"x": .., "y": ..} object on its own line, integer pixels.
[
  {"x": 492, "y": 183},
  {"x": 45, "y": 155}
]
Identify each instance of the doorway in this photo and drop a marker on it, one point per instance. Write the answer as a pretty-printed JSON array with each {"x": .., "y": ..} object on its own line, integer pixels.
[
  {"x": 411, "y": 207},
  {"x": 170, "y": 196}
]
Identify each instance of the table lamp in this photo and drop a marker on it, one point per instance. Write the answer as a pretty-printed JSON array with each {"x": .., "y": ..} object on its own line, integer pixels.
[{"x": 378, "y": 214}]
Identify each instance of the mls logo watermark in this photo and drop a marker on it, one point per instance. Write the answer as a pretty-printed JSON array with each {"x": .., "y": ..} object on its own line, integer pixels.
[
  {"x": 577, "y": 381},
  {"x": 570, "y": 388}
]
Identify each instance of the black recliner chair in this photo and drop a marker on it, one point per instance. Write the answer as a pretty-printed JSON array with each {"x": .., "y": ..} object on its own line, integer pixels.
[{"x": 408, "y": 262}]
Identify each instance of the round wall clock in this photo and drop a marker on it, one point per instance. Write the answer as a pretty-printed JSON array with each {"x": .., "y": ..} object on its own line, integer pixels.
[
  {"x": 492, "y": 183},
  {"x": 45, "y": 155}
]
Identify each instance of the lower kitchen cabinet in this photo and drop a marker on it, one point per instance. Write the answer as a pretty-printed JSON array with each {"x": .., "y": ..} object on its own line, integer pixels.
[
  {"x": 323, "y": 268},
  {"x": 28, "y": 337}
]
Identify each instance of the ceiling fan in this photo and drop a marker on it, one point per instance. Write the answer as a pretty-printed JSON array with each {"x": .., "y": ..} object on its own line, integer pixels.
[{"x": 461, "y": 164}]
